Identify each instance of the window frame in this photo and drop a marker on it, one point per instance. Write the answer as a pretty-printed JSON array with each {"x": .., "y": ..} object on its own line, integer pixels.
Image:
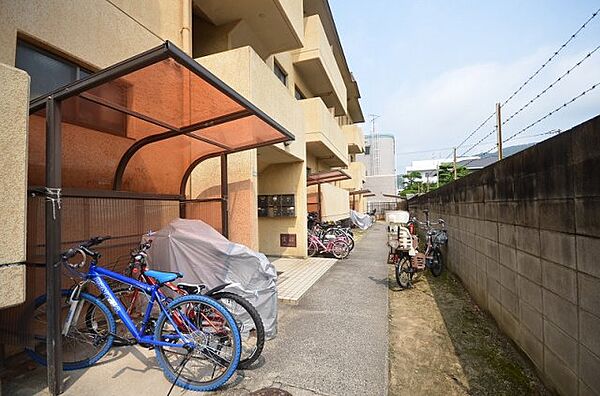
[
  {"x": 111, "y": 125},
  {"x": 298, "y": 94},
  {"x": 280, "y": 73}
]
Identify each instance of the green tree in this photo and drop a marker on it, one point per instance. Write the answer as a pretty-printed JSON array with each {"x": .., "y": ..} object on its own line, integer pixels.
[
  {"x": 412, "y": 183},
  {"x": 446, "y": 173}
]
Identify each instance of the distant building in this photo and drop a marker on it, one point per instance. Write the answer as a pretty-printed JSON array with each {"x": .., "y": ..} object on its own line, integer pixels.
[
  {"x": 429, "y": 168},
  {"x": 380, "y": 163}
]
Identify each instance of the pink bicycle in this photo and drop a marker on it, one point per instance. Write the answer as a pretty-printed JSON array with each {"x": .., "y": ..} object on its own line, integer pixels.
[{"x": 332, "y": 244}]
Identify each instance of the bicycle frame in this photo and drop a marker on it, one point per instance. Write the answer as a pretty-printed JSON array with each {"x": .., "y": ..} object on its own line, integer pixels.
[{"x": 96, "y": 274}]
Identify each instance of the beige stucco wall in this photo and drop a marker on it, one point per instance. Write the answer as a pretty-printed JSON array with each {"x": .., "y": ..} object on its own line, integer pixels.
[
  {"x": 287, "y": 178},
  {"x": 243, "y": 70},
  {"x": 321, "y": 126},
  {"x": 242, "y": 203},
  {"x": 358, "y": 172},
  {"x": 14, "y": 100},
  {"x": 334, "y": 201},
  {"x": 316, "y": 45},
  {"x": 95, "y": 32}
]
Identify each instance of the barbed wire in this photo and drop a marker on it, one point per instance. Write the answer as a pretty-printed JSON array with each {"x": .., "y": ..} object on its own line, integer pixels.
[
  {"x": 554, "y": 55},
  {"x": 551, "y": 57},
  {"x": 476, "y": 129},
  {"x": 575, "y": 66},
  {"x": 479, "y": 142},
  {"x": 552, "y": 112},
  {"x": 552, "y": 132}
]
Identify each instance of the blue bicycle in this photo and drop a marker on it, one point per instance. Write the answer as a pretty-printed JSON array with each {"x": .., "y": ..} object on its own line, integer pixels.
[{"x": 196, "y": 339}]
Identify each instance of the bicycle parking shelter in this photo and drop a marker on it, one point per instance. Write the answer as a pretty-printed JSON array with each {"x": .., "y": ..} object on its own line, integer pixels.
[{"x": 135, "y": 131}]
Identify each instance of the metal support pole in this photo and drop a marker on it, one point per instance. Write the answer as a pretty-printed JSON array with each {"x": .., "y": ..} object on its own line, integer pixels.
[
  {"x": 224, "y": 197},
  {"x": 499, "y": 129},
  {"x": 53, "y": 240},
  {"x": 437, "y": 172},
  {"x": 319, "y": 200},
  {"x": 455, "y": 174}
]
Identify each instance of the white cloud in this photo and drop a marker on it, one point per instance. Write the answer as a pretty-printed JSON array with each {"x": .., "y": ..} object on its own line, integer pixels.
[{"x": 443, "y": 111}]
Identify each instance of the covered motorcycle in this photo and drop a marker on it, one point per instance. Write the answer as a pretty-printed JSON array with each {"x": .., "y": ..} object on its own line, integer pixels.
[{"x": 203, "y": 255}]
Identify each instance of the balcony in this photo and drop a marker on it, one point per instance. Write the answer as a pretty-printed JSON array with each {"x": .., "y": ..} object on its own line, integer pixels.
[
  {"x": 324, "y": 138},
  {"x": 358, "y": 171},
  {"x": 355, "y": 138},
  {"x": 261, "y": 18},
  {"x": 244, "y": 71},
  {"x": 316, "y": 65}
]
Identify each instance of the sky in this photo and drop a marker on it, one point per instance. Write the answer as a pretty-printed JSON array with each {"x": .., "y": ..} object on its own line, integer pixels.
[{"x": 433, "y": 71}]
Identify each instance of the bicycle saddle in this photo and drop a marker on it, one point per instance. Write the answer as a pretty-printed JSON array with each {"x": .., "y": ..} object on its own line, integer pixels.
[
  {"x": 190, "y": 288},
  {"x": 163, "y": 276}
]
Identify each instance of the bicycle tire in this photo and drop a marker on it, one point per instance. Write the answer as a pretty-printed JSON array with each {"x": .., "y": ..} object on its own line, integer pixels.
[
  {"x": 88, "y": 361},
  {"x": 313, "y": 249},
  {"x": 438, "y": 267},
  {"x": 179, "y": 378},
  {"x": 400, "y": 269},
  {"x": 343, "y": 252},
  {"x": 252, "y": 353}
]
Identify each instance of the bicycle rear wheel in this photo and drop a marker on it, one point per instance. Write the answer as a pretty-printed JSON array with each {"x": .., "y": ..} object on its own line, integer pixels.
[
  {"x": 210, "y": 328},
  {"x": 340, "y": 249},
  {"x": 89, "y": 336},
  {"x": 250, "y": 325}
]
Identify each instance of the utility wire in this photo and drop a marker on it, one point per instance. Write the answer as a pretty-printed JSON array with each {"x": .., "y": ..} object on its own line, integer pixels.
[
  {"x": 552, "y": 85},
  {"x": 552, "y": 132},
  {"x": 551, "y": 58},
  {"x": 476, "y": 129},
  {"x": 537, "y": 121},
  {"x": 552, "y": 112},
  {"x": 554, "y": 55},
  {"x": 479, "y": 142}
]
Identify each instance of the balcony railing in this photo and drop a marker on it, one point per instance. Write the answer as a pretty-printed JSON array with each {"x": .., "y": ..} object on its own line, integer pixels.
[
  {"x": 355, "y": 138},
  {"x": 358, "y": 171},
  {"x": 316, "y": 64},
  {"x": 324, "y": 138},
  {"x": 244, "y": 71}
]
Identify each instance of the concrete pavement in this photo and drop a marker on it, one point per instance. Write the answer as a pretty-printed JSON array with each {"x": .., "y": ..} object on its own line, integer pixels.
[{"x": 334, "y": 342}]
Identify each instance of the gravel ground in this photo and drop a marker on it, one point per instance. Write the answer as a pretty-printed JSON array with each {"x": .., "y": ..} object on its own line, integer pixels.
[{"x": 441, "y": 343}]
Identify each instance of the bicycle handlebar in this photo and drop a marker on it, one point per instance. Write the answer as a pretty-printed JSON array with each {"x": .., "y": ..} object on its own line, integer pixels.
[{"x": 83, "y": 249}]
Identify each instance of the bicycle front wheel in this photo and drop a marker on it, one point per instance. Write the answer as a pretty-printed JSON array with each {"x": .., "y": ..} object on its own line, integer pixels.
[
  {"x": 89, "y": 336},
  {"x": 250, "y": 325},
  {"x": 212, "y": 339}
]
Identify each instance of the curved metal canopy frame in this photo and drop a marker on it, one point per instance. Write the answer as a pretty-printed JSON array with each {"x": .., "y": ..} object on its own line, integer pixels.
[{"x": 52, "y": 102}]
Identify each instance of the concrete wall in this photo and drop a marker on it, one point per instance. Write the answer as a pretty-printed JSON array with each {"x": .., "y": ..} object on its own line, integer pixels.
[
  {"x": 94, "y": 32},
  {"x": 243, "y": 70},
  {"x": 335, "y": 201},
  {"x": 14, "y": 105},
  {"x": 287, "y": 178},
  {"x": 524, "y": 239}
]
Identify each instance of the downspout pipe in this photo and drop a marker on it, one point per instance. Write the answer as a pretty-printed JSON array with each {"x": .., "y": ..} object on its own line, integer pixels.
[{"x": 186, "y": 26}]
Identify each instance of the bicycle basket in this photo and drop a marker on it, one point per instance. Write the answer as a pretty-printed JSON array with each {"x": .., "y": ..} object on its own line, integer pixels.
[
  {"x": 441, "y": 238},
  {"x": 418, "y": 261}
]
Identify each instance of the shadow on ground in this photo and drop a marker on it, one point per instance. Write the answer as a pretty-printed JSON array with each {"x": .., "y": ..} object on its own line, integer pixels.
[{"x": 442, "y": 343}]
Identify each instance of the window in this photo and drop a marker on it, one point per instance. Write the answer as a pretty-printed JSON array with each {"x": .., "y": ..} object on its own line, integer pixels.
[
  {"x": 298, "y": 94},
  {"x": 49, "y": 72},
  {"x": 280, "y": 73},
  {"x": 367, "y": 150}
]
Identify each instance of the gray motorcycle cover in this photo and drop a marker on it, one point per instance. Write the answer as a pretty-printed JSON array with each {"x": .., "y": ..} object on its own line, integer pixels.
[{"x": 198, "y": 251}]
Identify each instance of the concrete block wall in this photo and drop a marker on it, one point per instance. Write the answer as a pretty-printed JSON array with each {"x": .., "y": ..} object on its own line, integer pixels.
[{"x": 524, "y": 238}]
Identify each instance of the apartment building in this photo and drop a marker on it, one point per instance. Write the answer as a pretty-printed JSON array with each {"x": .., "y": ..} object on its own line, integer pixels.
[
  {"x": 379, "y": 159},
  {"x": 283, "y": 56}
]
